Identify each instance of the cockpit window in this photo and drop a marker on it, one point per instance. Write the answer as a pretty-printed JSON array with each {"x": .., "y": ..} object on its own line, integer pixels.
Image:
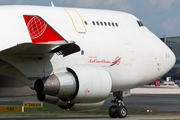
[{"x": 140, "y": 23}]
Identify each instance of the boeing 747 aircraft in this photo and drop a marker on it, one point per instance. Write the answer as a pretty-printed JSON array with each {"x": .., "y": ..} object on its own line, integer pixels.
[{"x": 75, "y": 58}]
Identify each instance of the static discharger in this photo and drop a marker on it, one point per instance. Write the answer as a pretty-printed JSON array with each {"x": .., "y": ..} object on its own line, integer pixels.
[{"x": 11, "y": 108}]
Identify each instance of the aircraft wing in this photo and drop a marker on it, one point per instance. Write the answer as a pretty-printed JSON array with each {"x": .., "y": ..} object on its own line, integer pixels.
[
  {"x": 41, "y": 49},
  {"x": 44, "y": 40}
]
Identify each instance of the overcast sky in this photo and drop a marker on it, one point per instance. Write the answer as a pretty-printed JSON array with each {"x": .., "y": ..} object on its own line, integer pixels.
[{"x": 162, "y": 17}]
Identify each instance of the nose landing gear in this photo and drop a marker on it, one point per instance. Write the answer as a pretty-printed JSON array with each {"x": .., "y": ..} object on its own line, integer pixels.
[{"x": 120, "y": 110}]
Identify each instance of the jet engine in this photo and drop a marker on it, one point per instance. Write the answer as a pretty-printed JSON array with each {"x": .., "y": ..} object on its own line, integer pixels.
[
  {"x": 80, "y": 84},
  {"x": 69, "y": 106}
]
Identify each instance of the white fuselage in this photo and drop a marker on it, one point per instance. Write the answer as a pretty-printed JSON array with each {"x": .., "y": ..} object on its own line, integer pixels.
[{"x": 143, "y": 57}]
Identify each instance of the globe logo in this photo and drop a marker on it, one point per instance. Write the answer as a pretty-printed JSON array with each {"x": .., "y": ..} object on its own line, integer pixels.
[{"x": 36, "y": 27}]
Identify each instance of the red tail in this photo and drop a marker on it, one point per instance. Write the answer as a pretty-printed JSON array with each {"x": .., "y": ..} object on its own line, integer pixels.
[{"x": 40, "y": 31}]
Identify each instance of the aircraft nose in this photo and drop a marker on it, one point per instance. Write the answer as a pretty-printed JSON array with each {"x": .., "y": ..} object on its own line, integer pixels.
[{"x": 170, "y": 60}]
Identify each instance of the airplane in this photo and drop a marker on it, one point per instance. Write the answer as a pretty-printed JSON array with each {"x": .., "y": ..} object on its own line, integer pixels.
[{"x": 75, "y": 57}]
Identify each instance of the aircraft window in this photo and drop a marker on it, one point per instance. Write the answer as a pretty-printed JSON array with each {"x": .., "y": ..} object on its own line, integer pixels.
[
  {"x": 105, "y": 23},
  {"x": 140, "y": 23},
  {"x": 93, "y": 22},
  {"x": 101, "y": 23},
  {"x": 97, "y": 22},
  {"x": 109, "y": 23},
  {"x": 116, "y": 24},
  {"x": 112, "y": 24},
  {"x": 85, "y": 22},
  {"x": 82, "y": 52}
]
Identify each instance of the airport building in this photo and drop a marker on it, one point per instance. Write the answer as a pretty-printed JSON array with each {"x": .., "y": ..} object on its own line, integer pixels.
[{"x": 173, "y": 42}]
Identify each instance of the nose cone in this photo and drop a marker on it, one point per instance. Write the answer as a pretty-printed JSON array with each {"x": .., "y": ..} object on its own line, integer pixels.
[
  {"x": 172, "y": 59},
  {"x": 169, "y": 60},
  {"x": 164, "y": 58}
]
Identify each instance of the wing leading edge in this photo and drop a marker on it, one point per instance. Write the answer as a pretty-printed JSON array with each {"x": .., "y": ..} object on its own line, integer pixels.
[{"x": 41, "y": 49}]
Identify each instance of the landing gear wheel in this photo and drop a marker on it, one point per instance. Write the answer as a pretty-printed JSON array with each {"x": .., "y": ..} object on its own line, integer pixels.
[
  {"x": 112, "y": 111},
  {"x": 121, "y": 112}
]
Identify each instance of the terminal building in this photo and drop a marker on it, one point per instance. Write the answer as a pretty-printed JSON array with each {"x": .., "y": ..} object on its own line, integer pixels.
[{"x": 173, "y": 42}]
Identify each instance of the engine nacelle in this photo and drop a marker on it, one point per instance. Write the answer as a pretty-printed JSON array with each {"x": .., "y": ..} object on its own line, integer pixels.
[
  {"x": 51, "y": 99},
  {"x": 95, "y": 83},
  {"x": 84, "y": 106},
  {"x": 69, "y": 106},
  {"x": 81, "y": 84}
]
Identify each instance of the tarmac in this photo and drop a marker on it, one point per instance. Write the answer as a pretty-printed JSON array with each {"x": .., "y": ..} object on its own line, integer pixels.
[
  {"x": 166, "y": 98},
  {"x": 104, "y": 117},
  {"x": 156, "y": 90}
]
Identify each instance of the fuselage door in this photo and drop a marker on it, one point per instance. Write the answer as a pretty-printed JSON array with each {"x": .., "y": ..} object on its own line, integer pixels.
[{"x": 76, "y": 20}]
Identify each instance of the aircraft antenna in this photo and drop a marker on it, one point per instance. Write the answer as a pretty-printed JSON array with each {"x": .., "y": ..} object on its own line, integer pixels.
[{"x": 52, "y": 4}]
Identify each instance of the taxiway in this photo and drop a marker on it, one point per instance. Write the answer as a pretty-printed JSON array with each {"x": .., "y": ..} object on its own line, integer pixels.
[{"x": 146, "y": 97}]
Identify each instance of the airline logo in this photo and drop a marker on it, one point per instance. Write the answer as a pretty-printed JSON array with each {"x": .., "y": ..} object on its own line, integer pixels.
[
  {"x": 117, "y": 61},
  {"x": 40, "y": 31},
  {"x": 98, "y": 61},
  {"x": 36, "y": 27},
  {"x": 95, "y": 60}
]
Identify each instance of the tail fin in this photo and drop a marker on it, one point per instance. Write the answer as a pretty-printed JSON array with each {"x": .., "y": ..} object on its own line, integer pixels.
[{"x": 40, "y": 31}]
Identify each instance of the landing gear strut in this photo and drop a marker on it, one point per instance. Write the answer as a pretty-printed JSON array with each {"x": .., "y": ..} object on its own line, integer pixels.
[{"x": 120, "y": 110}]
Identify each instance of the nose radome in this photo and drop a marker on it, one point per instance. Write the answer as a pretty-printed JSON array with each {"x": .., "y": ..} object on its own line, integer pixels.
[
  {"x": 169, "y": 60},
  {"x": 172, "y": 59}
]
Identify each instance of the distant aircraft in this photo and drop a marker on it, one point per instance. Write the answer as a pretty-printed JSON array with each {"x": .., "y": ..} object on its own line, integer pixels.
[{"x": 76, "y": 57}]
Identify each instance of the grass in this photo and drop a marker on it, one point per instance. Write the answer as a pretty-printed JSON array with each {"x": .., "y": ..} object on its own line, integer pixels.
[{"x": 54, "y": 110}]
